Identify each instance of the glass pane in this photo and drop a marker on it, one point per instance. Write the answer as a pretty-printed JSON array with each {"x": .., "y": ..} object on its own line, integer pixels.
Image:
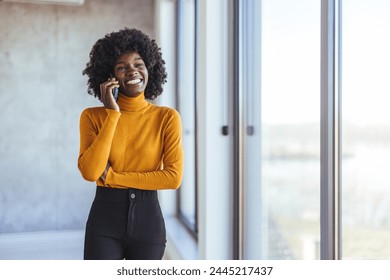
[
  {"x": 366, "y": 129},
  {"x": 186, "y": 102},
  {"x": 290, "y": 129}
]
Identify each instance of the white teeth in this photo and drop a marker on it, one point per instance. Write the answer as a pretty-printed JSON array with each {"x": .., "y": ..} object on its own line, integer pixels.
[{"x": 132, "y": 82}]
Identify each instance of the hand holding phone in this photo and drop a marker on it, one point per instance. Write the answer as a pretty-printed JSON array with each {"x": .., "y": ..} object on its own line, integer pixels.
[{"x": 109, "y": 92}]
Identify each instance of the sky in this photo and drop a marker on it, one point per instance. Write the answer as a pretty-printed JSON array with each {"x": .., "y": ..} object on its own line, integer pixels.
[{"x": 291, "y": 61}]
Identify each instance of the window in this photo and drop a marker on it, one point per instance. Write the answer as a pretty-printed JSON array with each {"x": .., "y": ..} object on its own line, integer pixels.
[
  {"x": 258, "y": 87},
  {"x": 366, "y": 129},
  {"x": 280, "y": 87},
  {"x": 186, "y": 100}
]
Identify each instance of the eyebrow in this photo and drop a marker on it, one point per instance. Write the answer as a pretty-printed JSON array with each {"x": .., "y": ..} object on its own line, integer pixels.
[{"x": 135, "y": 59}]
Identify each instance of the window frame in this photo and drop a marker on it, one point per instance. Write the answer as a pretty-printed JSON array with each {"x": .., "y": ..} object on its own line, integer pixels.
[{"x": 191, "y": 227}]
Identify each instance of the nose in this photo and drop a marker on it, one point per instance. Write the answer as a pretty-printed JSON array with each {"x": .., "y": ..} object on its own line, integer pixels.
[{"x": 131, "y": 71}]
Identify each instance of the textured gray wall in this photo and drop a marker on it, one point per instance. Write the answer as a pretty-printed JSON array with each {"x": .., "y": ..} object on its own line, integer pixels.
[{"x": 43, "y": 50}]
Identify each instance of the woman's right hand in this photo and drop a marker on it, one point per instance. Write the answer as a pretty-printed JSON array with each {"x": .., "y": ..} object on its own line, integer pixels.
[{"x": 106, "y": 96}]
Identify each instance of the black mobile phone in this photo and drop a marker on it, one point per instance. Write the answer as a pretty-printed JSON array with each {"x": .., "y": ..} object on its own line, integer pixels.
[{"x": 115, "y": 91}]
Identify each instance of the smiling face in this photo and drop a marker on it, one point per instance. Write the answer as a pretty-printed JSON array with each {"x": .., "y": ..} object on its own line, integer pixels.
[{"x": 131, "y": 73}]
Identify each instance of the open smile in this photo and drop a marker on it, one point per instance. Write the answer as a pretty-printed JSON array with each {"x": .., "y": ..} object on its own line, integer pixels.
[{"x": 134, "y": 81}]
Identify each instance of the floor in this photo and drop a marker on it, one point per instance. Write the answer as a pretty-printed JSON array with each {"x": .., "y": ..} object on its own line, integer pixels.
[
  {"x": 56, "y": 245},
  {"x": 68, "y": 244}
]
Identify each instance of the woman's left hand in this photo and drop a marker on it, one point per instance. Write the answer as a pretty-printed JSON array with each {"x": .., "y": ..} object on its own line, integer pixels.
[{"x": 103, "y": 177}]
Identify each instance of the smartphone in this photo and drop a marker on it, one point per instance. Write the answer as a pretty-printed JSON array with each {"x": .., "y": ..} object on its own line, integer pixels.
[{"x": 115, "y": 91}]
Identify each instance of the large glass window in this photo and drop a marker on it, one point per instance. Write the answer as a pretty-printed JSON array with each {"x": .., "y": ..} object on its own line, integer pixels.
[
  {"x": 186, "y": 101},
  {"x": 366, "y": 129},
  {"x": 282, "y": 127},
  {"x": 275, "y": 119}
]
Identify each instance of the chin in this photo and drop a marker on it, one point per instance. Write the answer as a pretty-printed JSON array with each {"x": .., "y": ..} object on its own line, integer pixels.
[{"x": 132, "y": 94}]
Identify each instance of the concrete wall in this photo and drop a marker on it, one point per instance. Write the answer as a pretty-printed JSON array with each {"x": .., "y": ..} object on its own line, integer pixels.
[{"x": 43, "y": 50}]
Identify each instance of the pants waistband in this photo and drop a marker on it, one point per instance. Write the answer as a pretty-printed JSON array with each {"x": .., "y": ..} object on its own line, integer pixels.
[{"x": 124, "y": 195}]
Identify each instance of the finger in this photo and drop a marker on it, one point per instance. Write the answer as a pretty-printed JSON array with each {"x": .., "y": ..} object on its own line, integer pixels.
[
  {"x": 110, "y": 87},
  {"x": 104, "y": 90}
]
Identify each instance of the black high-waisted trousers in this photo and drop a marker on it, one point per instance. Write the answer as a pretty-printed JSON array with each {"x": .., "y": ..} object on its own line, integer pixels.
[{"x": 125, "y": 224}]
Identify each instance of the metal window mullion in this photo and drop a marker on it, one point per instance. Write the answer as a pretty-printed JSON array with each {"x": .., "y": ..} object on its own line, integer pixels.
[
  {"x": 330, "y": 130},
  {"x": 237, "y": 136},
  {"x": 177, "y": 81},
  {"x": 196, "y": 118}
]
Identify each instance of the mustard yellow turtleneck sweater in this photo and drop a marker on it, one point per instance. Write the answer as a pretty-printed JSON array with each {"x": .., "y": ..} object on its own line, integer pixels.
[{"x": 142, "y": 144}]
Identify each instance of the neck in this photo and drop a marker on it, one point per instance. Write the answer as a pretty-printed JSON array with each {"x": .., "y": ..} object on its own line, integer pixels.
[{"x": 132, "y": 104}]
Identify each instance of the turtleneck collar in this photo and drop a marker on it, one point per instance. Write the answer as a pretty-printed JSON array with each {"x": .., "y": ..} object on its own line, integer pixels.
[{"x": 132, "y": 104}]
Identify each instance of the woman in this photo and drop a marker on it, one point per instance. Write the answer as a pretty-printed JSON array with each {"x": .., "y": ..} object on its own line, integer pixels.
[{"x": 129, "y": 147}]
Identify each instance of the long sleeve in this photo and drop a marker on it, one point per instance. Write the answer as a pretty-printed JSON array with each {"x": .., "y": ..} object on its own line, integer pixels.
[
  {"x": 170, "y": 176},
  {"x": 96, "y": 141}
]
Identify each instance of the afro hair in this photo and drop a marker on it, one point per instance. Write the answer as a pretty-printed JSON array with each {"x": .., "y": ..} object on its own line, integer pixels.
[{"x": 107, "y": 50}]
